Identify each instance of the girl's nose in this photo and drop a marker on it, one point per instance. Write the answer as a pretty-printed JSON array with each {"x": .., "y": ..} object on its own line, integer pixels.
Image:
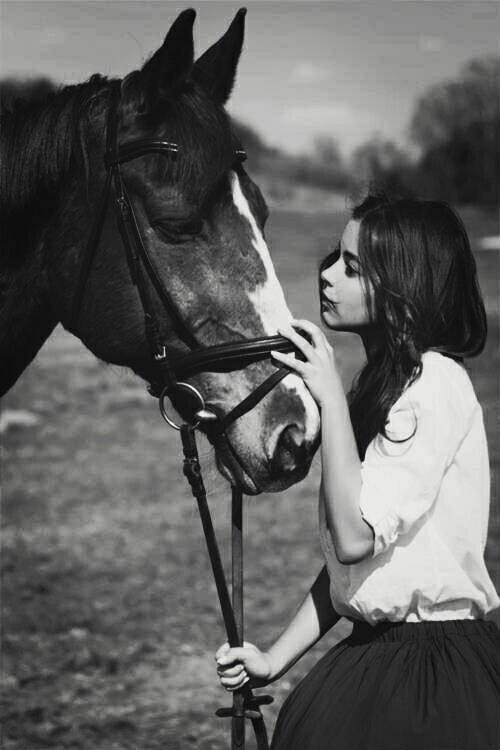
[{"x": 327, "y": 276}]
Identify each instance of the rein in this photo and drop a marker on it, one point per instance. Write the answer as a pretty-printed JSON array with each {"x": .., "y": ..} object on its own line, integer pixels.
[{"x": 168, "y": 384}]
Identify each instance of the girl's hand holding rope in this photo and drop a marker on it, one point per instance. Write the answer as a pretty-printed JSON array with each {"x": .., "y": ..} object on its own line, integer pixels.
[
  {"x": 319, "y": 371},
  {"x": 236, "y": 666}
]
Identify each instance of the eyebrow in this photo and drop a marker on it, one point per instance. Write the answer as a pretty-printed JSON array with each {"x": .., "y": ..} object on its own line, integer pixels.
[{"x": 347, "y": 255}]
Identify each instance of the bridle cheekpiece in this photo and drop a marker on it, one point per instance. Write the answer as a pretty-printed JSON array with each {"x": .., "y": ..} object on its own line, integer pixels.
[
  {"x": 169, "y": 370},
  {"x": 168, "y": 383}
]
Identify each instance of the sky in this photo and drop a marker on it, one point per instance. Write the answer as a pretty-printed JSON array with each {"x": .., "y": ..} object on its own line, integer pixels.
[{"x": 345, "y": 69}]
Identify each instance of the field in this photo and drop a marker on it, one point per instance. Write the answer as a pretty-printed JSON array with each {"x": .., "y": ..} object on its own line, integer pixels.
[{"x": 109, "y": 613}]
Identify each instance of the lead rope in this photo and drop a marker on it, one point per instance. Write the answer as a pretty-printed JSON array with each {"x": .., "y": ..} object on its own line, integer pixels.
[{"x": 246, "y": 705}]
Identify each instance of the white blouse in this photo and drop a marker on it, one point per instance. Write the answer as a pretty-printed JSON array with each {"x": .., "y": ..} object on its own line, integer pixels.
[{"x": 427, "y": 501}]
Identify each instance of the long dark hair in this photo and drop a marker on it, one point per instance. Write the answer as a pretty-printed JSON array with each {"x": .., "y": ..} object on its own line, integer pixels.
[{"x": 423, "y": 294}]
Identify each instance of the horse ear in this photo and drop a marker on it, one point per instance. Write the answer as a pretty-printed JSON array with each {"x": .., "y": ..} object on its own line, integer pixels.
[
  {"x": 168, "y": 68},
  {"x": 216, "y": 68}
]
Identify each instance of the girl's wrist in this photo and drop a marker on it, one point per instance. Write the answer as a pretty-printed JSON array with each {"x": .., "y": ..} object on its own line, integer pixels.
[
  {"x": 274, "y": 666},
  {"x": 334, "y": 391},
  {"x": 332, "y": 399}
]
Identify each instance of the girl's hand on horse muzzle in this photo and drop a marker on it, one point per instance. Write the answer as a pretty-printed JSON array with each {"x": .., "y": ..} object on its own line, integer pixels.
[{"x": 318, "y": 367}]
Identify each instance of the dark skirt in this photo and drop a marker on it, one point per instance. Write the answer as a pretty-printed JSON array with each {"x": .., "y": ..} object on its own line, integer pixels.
[{"x": 400, "y": 686}]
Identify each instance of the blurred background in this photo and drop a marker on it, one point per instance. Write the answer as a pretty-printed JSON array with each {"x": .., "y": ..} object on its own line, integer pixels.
[
  {"x": 329, "y": 94},
  {"x": 109, "y": 615}
]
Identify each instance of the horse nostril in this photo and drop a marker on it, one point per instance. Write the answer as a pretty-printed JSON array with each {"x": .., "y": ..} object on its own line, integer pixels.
[{"x": 291, "y": 452}]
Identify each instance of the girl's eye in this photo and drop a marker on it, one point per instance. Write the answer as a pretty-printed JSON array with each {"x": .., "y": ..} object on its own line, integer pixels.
[{"x": 350, "y": 270}]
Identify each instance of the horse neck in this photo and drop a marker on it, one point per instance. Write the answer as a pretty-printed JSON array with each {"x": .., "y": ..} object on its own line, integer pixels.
[
  {"x": 26, "y": 318},
  {"x": 42, "y": 150}
]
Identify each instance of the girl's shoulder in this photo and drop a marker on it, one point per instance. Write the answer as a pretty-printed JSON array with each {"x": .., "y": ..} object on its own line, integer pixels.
[
  {"x": 443, "y": 387},
  {"x": 446, "y": 376}
]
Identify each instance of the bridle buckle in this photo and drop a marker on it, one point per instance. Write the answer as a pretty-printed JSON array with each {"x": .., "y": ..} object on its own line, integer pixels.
[{"x": 161, "y": 355}]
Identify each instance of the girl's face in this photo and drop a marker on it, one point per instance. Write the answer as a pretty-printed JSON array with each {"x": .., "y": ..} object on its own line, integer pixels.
[{"x": 344, "y": 306}]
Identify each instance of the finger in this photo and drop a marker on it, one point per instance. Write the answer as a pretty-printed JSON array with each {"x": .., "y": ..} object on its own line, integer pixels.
[
  {"x": 316, "y": 334},
  {"x": 230, "y": 671},
  {"x": 300, "y": 342},
  {"x": 237, "y": 687},
  {"x": 239, "y": 653},
  {"x": 222, "y": 650},
  {"x": 290, "y": 361},
  {"x": 234, "y": 681},
  {"x": 225, "y": 648}
]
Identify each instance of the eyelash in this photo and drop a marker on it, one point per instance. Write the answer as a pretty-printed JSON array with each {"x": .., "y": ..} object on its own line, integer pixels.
[
  {"x": 349, "y": 270},
  {"x": 335, "y": 256}
]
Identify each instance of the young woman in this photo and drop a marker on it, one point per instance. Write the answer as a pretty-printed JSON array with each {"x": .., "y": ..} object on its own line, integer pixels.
[{"x": 403, "y": 502}]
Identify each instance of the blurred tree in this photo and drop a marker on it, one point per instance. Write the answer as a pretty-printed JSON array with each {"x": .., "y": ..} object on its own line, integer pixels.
[
  {"x": 456, "y": 126},
  {"x": 322, "y": 167},
  {"x": 326, "y": 152},
  {"x": 257, "y": 150},
  {"x": 381, "y": 162}
]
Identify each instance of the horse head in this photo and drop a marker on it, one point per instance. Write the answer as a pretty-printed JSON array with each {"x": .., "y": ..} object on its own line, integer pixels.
[{"x": 202, "y": 220}]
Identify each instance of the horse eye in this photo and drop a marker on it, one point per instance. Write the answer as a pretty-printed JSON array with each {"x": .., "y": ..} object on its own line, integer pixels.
[{"x": 177, "y": 230}]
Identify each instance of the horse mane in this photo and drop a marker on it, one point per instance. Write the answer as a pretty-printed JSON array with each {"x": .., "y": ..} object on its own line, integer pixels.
[{"x": 42, "y": 137}]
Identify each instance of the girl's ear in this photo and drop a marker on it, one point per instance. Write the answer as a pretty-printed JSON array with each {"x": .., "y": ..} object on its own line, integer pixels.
[
  {"x": 215, "y": 70},
  {"x": 165, "y": 72}
]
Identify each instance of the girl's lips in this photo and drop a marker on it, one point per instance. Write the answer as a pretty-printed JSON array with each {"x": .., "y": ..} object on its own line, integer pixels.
[{"x": 326, "y": 301}]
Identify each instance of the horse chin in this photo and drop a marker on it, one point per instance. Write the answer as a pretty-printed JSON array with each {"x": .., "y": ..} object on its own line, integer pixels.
[{"x": 231, "y": 469}]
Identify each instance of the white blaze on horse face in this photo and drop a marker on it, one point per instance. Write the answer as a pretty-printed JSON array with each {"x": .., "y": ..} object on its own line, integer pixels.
[
  {"x": 270, "y": 305},
  {"x": 268, "y": 298}
]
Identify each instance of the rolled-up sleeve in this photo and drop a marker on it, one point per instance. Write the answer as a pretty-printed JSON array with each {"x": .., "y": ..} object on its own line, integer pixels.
[{"x": 402, "y": 474}]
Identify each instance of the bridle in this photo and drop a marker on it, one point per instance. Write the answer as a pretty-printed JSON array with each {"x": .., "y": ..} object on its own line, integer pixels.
[
  {"x": 168, "y": 383},
  {"x": 144, "y": 275}
]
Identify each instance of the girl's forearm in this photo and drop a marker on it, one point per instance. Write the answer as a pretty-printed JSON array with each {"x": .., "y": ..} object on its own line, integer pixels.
[
  {"x": 352, "y": 536},
  {"x": 313, "y": 619}
]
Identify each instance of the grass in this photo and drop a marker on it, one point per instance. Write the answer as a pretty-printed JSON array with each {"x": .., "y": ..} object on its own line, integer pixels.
[{"x": 109, "y": 612}]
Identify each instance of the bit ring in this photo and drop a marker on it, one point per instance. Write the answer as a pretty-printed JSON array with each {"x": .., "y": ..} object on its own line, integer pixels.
[{"x": 192, "y": 391}]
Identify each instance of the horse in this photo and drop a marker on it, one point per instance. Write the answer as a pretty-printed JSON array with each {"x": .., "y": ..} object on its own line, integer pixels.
[{"x": 201, "y": 219}]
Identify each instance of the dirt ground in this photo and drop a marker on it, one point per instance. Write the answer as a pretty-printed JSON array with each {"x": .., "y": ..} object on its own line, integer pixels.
[{"x": 109, "y": 615}]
